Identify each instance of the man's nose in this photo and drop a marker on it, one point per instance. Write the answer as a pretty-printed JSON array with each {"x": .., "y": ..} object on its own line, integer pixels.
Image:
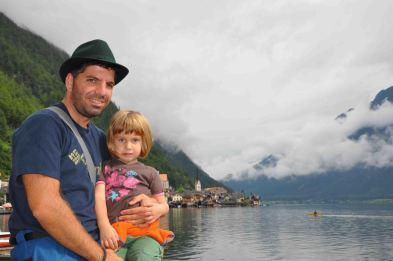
[{"x": 102, "y": 88}]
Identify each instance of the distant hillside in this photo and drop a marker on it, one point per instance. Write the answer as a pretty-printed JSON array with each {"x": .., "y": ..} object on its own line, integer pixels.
[
  {"x": 360, "y": 182},
  {"x": 29, "y": 81},
  {"x": 31, "y": 61},
  {"x": 181, "y": 160}
]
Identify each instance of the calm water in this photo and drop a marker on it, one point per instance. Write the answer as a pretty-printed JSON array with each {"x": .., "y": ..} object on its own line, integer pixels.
[{"x": 282, "y": 232}]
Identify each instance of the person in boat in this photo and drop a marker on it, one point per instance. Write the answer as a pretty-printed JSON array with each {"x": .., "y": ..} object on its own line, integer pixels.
[
  {"x": 50, "y": 187},
  {"x": 315, "y": 213},
  {"x": 125, "y": 180}
]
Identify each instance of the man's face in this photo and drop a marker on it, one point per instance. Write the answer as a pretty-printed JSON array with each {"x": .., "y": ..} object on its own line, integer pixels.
[{"x": 92, "y": 90}]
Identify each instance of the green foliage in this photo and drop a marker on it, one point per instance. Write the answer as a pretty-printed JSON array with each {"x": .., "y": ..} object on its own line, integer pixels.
[
  {"x": 30, "y": 60},
  {"x": 181, "y": 189},
  {"x": 159, "y": 160},
  {"x": 180, "y": 160},
  {"x": 16, "y": 103},
  {"x": 5, "y": 158}
]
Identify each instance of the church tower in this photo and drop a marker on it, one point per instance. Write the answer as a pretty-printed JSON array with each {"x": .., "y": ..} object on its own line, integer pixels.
[{"x": 198, "y": 186}]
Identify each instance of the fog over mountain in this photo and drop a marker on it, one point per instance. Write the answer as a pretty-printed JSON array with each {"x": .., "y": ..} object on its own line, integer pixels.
[
  {"x": 252, "y": 88},
  {"x": 360, "y": 136},
  {"x": 373, "y": 137}
]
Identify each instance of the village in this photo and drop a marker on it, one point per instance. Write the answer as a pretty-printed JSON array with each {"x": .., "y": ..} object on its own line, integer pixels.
[
  {"x": 207, "y": 197},
  {"x": 199, "y": 197}
]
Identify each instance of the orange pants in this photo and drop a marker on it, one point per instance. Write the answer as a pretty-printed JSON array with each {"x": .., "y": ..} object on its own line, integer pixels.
[{"x": 125, "y": 229}]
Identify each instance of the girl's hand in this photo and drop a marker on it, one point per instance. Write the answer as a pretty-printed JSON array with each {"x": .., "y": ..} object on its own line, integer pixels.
[{"x": 109, "y": 237}]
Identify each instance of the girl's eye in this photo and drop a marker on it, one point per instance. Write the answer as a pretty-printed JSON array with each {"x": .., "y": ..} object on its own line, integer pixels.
[{"x": 121, "y": 140}]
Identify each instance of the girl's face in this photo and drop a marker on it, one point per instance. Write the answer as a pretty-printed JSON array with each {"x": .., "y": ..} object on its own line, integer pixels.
[{"x": 127, "y": 147}]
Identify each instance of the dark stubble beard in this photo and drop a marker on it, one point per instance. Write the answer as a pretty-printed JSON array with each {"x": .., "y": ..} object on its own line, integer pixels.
[{"x": 84, "y": 109}]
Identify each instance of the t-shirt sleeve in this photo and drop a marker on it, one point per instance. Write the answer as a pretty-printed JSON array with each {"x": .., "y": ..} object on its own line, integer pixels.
[
  {"x": 156, "y": 183},
  {"x": 37, "y": 147}
]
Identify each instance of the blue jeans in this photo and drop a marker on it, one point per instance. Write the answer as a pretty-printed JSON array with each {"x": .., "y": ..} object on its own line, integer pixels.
[{"x": 45, "y": 248}]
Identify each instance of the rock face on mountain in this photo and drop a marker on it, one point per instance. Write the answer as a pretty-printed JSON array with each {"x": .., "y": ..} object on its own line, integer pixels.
[
  {"x": 383, "y": 96},
  {"x": 359, "y": 182}
]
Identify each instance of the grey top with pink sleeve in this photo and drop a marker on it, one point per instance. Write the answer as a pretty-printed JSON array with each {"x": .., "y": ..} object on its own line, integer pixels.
[{"x": 125, "y": 181}]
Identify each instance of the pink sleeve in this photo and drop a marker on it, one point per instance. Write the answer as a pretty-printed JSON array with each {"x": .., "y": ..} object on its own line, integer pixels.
[{"x": 159, "y": 194}]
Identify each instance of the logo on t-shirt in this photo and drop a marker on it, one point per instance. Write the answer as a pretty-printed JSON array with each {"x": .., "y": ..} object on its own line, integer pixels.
[{"x": 76, "y": 157}]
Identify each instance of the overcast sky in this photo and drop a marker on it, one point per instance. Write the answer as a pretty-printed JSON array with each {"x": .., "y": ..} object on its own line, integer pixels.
[{"x": 231, "y": 82}]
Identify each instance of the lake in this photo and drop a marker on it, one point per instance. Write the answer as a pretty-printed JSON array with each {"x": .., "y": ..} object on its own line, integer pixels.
[
  {"x": 282, "y": 232},
  {"x": 279, "y": 232}
]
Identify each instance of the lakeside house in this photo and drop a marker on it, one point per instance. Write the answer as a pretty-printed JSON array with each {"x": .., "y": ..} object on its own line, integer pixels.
[
  {"x": 165, "y": 181},
  {"x": 177, "y": 198}
]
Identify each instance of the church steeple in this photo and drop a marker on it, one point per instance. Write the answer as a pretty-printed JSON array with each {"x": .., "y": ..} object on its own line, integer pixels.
[{"x": 198, "y": 186}]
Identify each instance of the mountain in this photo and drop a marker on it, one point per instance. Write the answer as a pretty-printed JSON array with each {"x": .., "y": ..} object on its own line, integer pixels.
[
  {"x": 29, "y": 81},
  {"x": 360, "y": 182},
  {"x": 382, "y": 97},
  {"x": 182, "y": 161},
  {"x": 382, "y": 132},
  {"x": 355, "y": 184}
]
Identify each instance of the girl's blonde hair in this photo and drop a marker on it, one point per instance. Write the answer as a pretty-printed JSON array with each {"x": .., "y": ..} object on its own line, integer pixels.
[{"x": 130, "y": 122}]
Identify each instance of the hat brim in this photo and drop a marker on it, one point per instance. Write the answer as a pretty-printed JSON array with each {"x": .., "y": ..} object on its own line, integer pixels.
[{"x": 72, "y": 63}]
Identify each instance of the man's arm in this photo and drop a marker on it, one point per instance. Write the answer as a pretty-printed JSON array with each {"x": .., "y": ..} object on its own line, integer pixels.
[{"x": 57, "y": 218}]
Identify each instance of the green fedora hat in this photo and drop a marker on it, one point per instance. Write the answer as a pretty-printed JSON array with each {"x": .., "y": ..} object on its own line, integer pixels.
[{"x": 93, "y": 51}]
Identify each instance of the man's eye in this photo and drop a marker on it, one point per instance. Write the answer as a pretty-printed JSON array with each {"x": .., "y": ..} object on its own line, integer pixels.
[{"x": 92, "y": 80}]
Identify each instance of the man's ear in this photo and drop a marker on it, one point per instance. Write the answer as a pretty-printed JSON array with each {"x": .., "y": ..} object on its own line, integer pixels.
[{"x": 69, "y": 81}]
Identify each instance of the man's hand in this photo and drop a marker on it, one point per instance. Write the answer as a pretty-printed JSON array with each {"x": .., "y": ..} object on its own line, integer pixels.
[{"x": 149, "y": 211}]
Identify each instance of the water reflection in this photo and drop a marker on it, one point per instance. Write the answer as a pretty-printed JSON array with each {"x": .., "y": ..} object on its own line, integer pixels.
[
  {"x": 281, "y": 232},
  {"x": 190, "y": 232},
  {"x": 354, "y": 232}
]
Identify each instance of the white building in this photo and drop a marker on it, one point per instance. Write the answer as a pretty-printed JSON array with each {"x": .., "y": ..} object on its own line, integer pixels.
[
  {"x": 198, "y": 186},
  {"x": 177, "y": 198}
]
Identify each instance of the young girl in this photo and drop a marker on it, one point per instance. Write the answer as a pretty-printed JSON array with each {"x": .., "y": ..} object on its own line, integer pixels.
[{"x": 123, "y": 178}]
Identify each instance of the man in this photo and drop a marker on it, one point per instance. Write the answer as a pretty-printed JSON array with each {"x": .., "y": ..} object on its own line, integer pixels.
[{"x": 50, "y": 187}]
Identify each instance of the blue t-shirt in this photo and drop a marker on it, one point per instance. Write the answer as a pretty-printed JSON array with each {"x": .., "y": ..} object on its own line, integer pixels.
[{"x": 45, "y": 145}]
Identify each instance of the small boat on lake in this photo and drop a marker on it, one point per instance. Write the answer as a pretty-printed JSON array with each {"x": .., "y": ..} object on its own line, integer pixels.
[{"x": 315, "y": 214}]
